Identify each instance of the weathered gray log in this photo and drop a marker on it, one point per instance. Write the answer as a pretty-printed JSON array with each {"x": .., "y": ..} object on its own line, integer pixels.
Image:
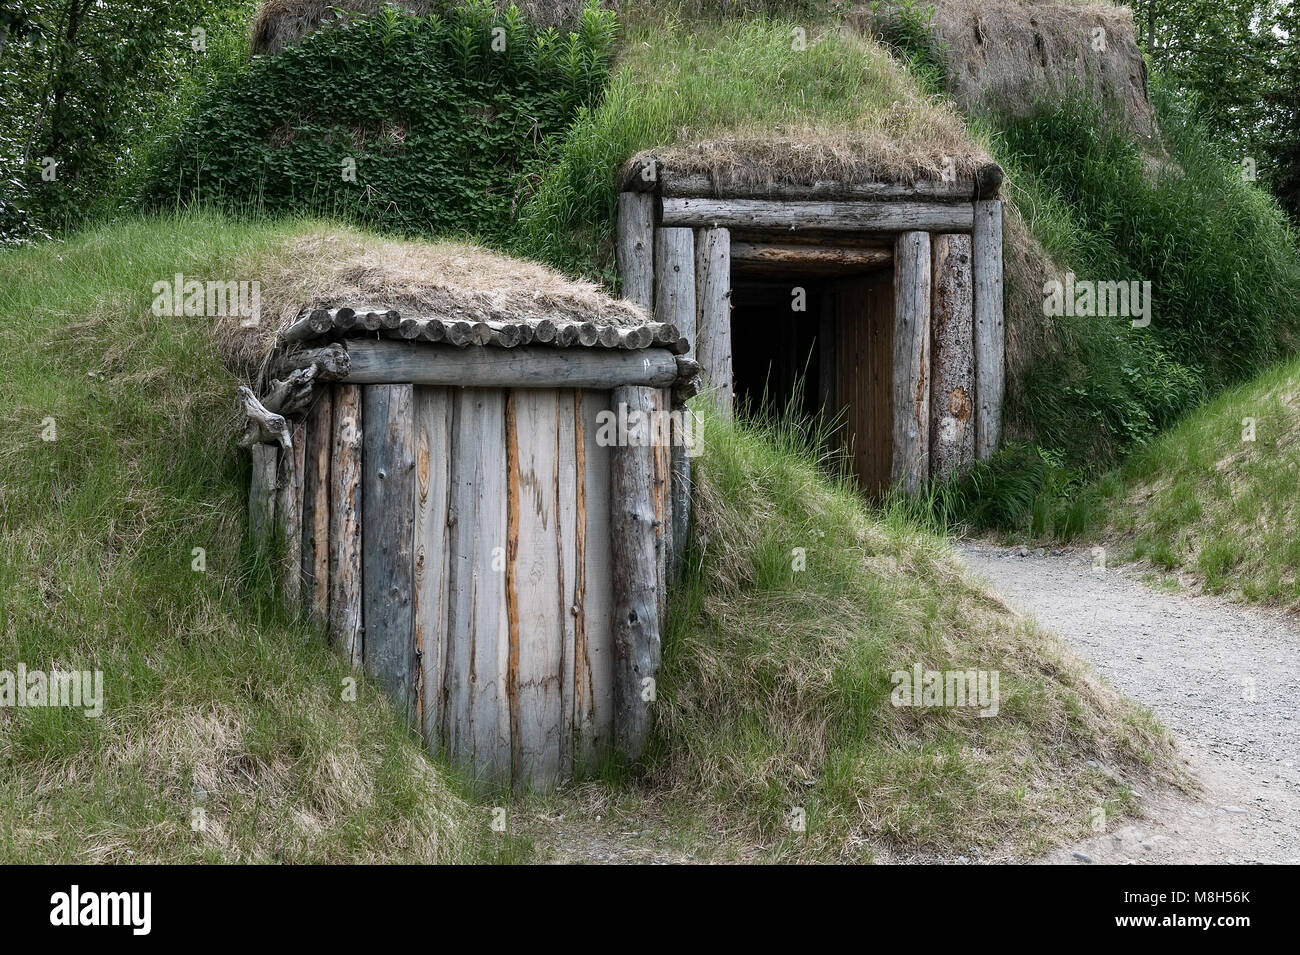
[
  {"x": 682, "y": 432},
  {"x": 608, "y": 335},
  {"x": 635, "y": 562},
  {"x": 263, "y": 426},
  {"x": 641, "y": 174},
  {"x": 261, "y": 493},
  {"x": 952, "y": 387},
  {"x": 911, "y": 361},
  {"x": 829, "y": 216},
  {"x": 544, "y": 331},
  {"x": 636, "y": 337},
  {"x": 331, "y": 362},
  {"x": 988, "y": 180},
  {"x": 292, "y": 395},
  {"x": 636, "y": 247},
  {"x": 345, "y": 523},
  {"x": 288, "y": 514},
  {"x": 387, "y": 526},
  {"x": 788, "y": 255},
  {"x": 667, "y": 333},
  {"x": 458, "y": 333},
  {"x": 588, "y": 333},
  {"x": 531, "y": 366},
  {"x": 566, "y": 334},
  {"x": 318, "y": 322},
  {"x": 433, "y": 330},
  {"x": 713, "y": 313},
  {"x": 990, "y": 339},
  {"x": 476, "y": 719},
  {"x": 675, "y": 283},
  {"x": 433, "y": 424},
  {"x": 702, "y": 185},
  {"x": 316, "y": 506}
]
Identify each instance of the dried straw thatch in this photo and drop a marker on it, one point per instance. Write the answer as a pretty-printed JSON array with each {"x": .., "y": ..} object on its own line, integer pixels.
[
  {"x": 1011, "y": 54},
  {"x": 446, "y": 280},
  {"x": 283, "y": 23}
]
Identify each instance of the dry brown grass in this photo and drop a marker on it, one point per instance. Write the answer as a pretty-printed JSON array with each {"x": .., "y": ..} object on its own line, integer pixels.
[
  {"x": 340, "y": 265},
  {"x": 1009, "y": 55}
]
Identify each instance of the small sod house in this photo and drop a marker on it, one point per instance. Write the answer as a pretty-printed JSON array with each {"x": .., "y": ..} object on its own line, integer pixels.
[
  {"x": 476, "y": 493},
  {"x": 883, "y": 299}
]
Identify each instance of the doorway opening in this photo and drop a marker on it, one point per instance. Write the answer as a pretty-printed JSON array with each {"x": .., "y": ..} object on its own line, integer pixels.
[{"x": 811, "y": 343}]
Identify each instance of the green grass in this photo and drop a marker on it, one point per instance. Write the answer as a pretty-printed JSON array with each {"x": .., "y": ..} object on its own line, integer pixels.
[
  {"x": 215, "y": 700},
  {"x": 776, "y": 685},
  {"x": 680, "y": 81},
  {"x": 1202, "y": 500}
]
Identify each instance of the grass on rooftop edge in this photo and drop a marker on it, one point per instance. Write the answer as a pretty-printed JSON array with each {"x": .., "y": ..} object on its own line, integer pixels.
[{"x": 225, "y": 735}]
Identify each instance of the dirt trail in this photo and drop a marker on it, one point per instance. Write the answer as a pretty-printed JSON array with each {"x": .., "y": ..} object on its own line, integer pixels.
[{"x": 1225, "y": 679}]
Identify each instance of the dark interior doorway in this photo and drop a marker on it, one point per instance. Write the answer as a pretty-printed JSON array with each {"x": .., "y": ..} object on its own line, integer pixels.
[{"x": 833, "y": 356}]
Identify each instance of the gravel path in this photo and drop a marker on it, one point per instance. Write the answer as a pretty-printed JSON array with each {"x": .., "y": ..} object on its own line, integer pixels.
[{"x": 1223, "y": 678}]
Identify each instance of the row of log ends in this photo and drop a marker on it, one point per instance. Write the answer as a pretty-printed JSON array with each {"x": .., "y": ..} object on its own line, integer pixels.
[{"x": 329, "y": 323}]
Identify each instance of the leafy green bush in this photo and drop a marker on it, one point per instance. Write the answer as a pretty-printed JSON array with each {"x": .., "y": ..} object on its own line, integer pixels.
[
  {"x": 1220, "y": 256},
  {"x": 442, "y": 116}
]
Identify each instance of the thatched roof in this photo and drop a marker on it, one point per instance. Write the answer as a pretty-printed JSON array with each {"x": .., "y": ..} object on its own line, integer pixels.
[
  {"x": 283, "y": 23},
  {"x": 1012, "y": 54},
  {"x": 448, "y": 281}
]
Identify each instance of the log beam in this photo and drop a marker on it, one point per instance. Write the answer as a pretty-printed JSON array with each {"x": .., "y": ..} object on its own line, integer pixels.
[
  {"x": 990, "y": 336},
  {"x": 952, "y": 388},
  {"x": 882, "y": 217}
]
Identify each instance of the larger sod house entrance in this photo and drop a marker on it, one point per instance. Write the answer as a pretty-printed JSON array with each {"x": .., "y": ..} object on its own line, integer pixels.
[
  {"x": 811, "y": 337},
  {"x": 885, "y": 298}
]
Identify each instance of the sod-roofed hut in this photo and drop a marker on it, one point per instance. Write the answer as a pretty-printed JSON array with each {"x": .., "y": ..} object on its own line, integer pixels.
[{"x": 476, "y": 492}]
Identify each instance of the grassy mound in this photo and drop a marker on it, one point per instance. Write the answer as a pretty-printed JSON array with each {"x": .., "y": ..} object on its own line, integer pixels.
[
  {"x": 226, "y": 734},
  {"x": 1205, "y": 500},
  {"x": 778, "y": 93},
  {"x": 776, "y": 689}
]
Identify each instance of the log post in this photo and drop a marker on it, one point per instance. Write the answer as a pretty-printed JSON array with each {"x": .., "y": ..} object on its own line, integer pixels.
[
  {"x": 990, "y": 340},
  {"x": 345, "y": 523},
  {"x": 911, "y": 361},
  {"x": 388, "y": 540},
  {"x": 675, "y": 305},
  {"x": 288, "y": 513},
  {"x": 261, "y": 493},
  {"x": 952, "y": 388},
  {"x": 316, "y": 507},
  {"x": 713, "y": 313},
  {"x": 636, "y": 246},
  {"x": 635, "y": 570}
]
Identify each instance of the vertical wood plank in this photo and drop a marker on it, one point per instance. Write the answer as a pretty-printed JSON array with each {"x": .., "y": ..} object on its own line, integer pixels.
[
  {"x": 261, "y": 493},
  {"x": 387, "y": 528},
  {"x": 288, "y": 514},
  {"x": 477, "y": 715},
  {"x": 594, "y": 639},
  {"x": 911, "y": 373},
  {"x": 952, "y": 387},
  {"x": 635, "y": 246},
  {"x": 633, "y": 543},
  {"x": 345, "y": 523},
  {"x": 433, "y": 423},
  {"x": 568, "y": 481},
  {"x": 534, "y": 583},
  {"x": 713, "y": 313},
  {"x": 990, "y": 337},
  {"x": 675, "y": 281},
  {"x": 316, "y": 506}
]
